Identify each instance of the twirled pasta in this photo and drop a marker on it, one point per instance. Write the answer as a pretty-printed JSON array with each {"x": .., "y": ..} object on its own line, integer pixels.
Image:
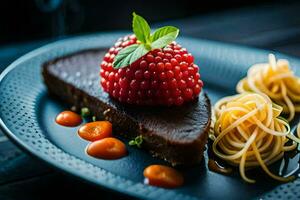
[
  {"x": 248, "y": 133},
  {"x": 276, "y": 80}
]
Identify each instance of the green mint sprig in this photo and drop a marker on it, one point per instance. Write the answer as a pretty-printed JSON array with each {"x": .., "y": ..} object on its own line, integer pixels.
[
  {"x": 136, "y": 141},
  {"x": 147, "y": 41}
]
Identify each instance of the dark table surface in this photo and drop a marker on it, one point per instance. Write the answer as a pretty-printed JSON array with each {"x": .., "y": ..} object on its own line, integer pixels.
[{"x": 269, "y": 26}]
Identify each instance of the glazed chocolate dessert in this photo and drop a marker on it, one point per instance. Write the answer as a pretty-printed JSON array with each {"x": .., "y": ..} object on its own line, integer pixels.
[{"x": 176, "y": 134}]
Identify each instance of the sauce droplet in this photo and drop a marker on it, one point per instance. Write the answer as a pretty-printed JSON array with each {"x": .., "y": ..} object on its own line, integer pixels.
[
  {"x": 68, "y": 118},
  {"x": 95, "y": 130},
  {"x": 215, "y": 167},
  {"x": 163, "y": 176},
  {"x": 107, "y": 148}
]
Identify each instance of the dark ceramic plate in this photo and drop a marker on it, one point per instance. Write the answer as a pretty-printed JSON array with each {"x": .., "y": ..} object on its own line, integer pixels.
[{"x": 27, "y": 117}]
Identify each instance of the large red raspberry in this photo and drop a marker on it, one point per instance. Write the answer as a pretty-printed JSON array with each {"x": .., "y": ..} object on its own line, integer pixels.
[{"x": 165, "y": 76}]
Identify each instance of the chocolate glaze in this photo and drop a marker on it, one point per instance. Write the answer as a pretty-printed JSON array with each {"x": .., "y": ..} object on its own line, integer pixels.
[{"x": 176, "y": 134}]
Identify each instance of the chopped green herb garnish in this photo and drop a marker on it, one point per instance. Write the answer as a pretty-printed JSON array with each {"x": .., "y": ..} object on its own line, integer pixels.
[
  {"x": 137, "y": 141},
  {"x": 94, "y": 118},
  {"x": 85, "y": 112},
  {"x": 131, "y": 143}
]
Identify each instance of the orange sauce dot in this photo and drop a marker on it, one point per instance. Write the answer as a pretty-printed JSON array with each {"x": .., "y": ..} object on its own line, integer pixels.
[
  {"x": 163, "y": 176},
  {"x": 95, "y": 130},
  {"x": 68, "y": 118},
  {"x": 107, "y": 148}
]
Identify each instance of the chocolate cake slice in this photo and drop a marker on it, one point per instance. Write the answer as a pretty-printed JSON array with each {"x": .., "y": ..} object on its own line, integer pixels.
[{"x": 175, "y": 134}]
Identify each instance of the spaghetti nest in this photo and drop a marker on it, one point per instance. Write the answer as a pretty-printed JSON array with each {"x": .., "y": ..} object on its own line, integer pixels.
[
  {"x": 276, "y": 80},
  {"x": 248, "y": 133}
]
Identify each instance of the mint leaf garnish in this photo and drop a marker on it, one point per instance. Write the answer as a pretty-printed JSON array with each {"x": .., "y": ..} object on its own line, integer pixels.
[
  {"x": 147, "y": 41},
  {"x": 141, "y": 28},
  {"x": 164, "y": 36},
  {"x": 139, "y": 52},
  {"x": 122, "y": 59}
]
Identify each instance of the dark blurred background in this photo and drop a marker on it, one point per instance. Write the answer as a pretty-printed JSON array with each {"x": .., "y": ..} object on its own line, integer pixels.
[
  {"x": 28, "y": 24},
  {"x": 25, "y": 20},
  {"x": 28, "y": 20}
]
